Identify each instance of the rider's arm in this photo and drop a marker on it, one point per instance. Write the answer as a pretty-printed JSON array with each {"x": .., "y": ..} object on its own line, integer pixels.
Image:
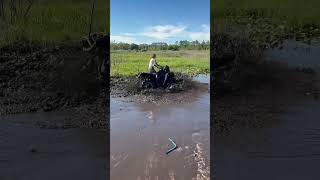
[{"x": 156, "y": 64}]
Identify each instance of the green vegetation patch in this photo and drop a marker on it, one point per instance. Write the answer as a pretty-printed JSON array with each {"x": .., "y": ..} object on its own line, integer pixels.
[
  {"x": 51, "y": 22},
  {"x": 267, "y": 23},
  {"x": 130, "y": 63}
]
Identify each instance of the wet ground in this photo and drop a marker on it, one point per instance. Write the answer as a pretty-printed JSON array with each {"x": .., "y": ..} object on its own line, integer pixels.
[
  {"x": 140, "y": 132},
  {"x": 31, "y": 153},
  {"x": 289, "y": 147}
]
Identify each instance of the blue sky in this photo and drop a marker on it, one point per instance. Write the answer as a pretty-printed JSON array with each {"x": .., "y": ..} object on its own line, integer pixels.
[{"x": 147, "y": 21}]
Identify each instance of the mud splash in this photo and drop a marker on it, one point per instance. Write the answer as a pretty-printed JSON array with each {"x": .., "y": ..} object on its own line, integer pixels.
[{"x": 139, "y": 139}]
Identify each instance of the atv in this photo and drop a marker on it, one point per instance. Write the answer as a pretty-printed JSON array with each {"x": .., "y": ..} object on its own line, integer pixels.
[{"x": 162, "y": 79}]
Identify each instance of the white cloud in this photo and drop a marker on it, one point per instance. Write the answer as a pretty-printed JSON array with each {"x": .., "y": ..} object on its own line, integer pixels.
[
  {"x": 205, "y": 27},
  {"x": 200, "y": 36},
  {"x": 123, "y": 39},
  {"x": 203, "y": 35},
  {"x": 163, "y": 32},
  {"x": 128, "y": 34}
]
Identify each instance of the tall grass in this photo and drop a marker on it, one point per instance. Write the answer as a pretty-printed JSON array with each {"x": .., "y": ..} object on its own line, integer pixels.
[
  {"x": 130, "y": 63},
  {"x": 51, "y": 22}
]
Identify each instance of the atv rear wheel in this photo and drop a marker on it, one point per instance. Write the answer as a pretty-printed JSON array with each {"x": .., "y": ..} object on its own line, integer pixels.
[{"x": 147, "y": 85}]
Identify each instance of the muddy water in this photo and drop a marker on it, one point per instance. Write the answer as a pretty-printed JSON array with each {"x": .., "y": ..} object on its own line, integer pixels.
[
  {"x": 290, "y": 149},
  {"x": 139, "y": 139},
  {"x": 296, "y": 54},
  {"x": 30, "y": 153}
]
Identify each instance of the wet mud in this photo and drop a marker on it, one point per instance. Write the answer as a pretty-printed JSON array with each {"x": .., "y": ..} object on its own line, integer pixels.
[
  {"x": 39, "y": 79},
  {"x": 271, "y": 130},
  {"x": 53, "y": 116},
  {"x": 129, "y": 88},
  {"x": 265, "y": 90}
]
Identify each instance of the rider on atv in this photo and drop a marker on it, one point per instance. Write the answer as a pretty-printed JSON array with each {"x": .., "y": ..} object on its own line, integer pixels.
[
  {"x": 162, "y": 74},
  {"x": 152, "y": 64}
]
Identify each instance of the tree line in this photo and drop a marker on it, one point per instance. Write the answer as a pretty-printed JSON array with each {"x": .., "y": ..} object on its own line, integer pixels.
[{"x": 179, "y": 45}]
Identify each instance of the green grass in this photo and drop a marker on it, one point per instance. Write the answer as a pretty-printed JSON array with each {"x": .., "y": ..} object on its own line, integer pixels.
[
  {"x": 293, "y": 13},
  {"x": 292, "y": 9},
  {"x": 130, "y": 63},
  {"x": 267, "y": 23},
  {"x": 52, "y": 22}
]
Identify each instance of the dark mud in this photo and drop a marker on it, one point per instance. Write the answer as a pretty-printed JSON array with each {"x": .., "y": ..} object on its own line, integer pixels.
[
  {"x": 284, "y": 106},
  {"x": 129, "y": 88},
  {"x": 38, "y": 79},
  {"x": 263, "y": 92},
  {"x": 248, "y": 89}
]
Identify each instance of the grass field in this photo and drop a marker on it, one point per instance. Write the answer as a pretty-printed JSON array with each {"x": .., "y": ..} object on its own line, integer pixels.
[
  {"x": 267, "y": 23},
  {"x": 295, "y": 10},
  {"x": 130, "y": 63},
  {"x": 52, "y": 22}
]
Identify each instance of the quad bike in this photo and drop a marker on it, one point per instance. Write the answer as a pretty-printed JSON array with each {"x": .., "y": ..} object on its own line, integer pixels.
[{"x": 162, "y": 79}]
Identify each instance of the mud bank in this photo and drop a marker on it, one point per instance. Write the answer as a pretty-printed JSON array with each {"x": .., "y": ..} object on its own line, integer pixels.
[
  {"x": 128, "y": 88},
  {"x": 38, "y": 79}
]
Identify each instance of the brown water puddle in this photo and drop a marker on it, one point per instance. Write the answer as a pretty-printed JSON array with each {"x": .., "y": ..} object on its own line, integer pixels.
[{"x": 139, "y": 140}]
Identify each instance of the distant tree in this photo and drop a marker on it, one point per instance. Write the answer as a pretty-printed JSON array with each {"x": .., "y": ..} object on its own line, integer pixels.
[
  {"x": 157, "y": 46},
  {"x": 173, "y": 47},
  {"x": 134, "y": 47}
]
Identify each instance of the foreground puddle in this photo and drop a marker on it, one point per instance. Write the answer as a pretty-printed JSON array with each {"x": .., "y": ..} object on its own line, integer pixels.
[
  {"x": 289, "y": 150},
  {"x": 28, "y": 152},
  {"x": 139, "y": 140}
]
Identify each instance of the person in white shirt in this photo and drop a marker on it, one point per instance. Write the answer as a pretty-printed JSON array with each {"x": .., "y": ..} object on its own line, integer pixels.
[{"x": 153, "y": 63}]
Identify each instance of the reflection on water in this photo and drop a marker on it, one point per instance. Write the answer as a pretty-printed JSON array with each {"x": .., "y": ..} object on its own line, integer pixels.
[{"x": 139, "y": 140}]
